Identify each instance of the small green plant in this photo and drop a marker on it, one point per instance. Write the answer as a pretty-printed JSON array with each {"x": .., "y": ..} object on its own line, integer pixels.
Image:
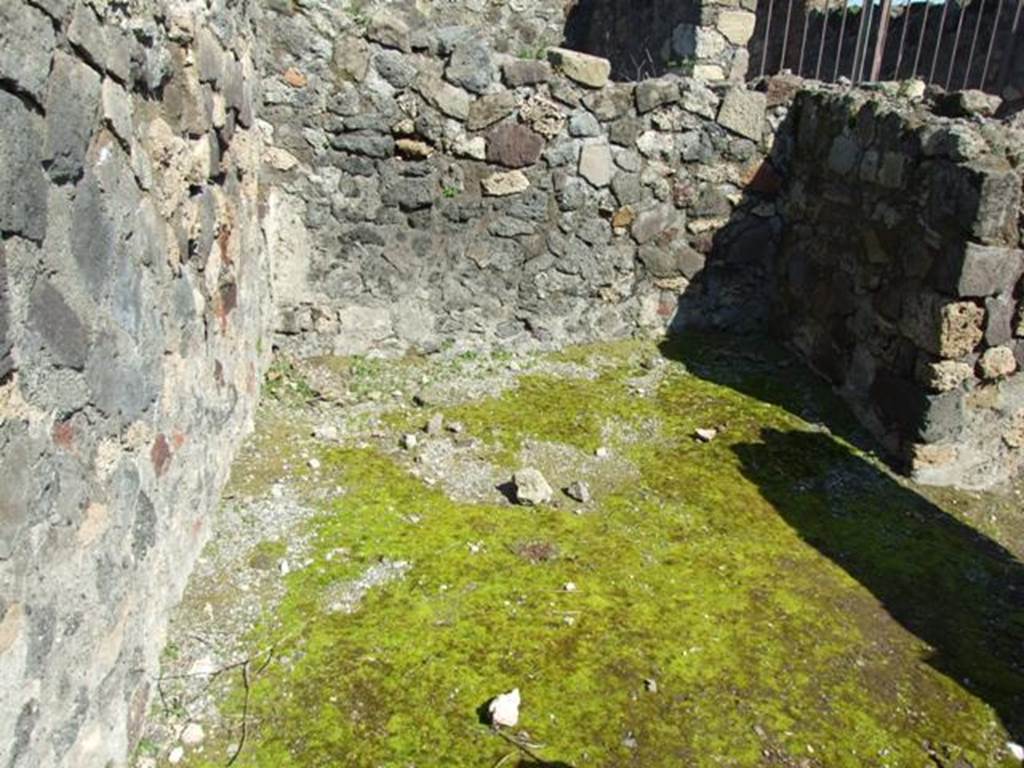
[
  {"x": 147, "y": 748},
  {"x": 171, "y": 652},
  {"x": 683, "y": 66},
  {"x": 537, "y": 53},
  {"x": 450, "y": 192},
  {"x": 285, "y": 382},
  {"x": 359, "y": 15}
]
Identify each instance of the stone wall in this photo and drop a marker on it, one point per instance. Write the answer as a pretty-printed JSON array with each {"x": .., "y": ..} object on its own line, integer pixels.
[
  {"x": 133, "y": 302},
  {"x": 901, "y": 269},
  {"x": 427, "y": 189}
]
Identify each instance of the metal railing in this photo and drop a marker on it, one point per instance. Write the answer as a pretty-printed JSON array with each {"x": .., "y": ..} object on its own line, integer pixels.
[{"x": 947, "y": 42}]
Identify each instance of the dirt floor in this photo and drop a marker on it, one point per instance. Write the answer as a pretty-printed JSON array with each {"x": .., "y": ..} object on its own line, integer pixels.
[{"x": 744, "y": 585}]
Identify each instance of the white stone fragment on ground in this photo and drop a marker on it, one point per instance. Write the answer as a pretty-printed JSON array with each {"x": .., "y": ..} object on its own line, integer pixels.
[
  {"x": 578, "y": 491},
  {"x": 504, "y": 709},
  {"x": 326, "y": 433},
  {"x": 408, "y": 441},
  {"x": 192, "y": 735},
  {"x": 204, "y": 665},
  {"x": 569, "y": 586},
  {"x": 455, "y": 427},
  {"x": 434, "y": 425},
  {"x": 531, "y": 487},
  {"x": 314, "y": 464},
  {"x": 601, "y": 453},
  {"x": 176, "y": 756},
  {"x": 706, "y": 435},
  {"x": 1016, "y": 750},
  {"x": 651, "y": 685}
]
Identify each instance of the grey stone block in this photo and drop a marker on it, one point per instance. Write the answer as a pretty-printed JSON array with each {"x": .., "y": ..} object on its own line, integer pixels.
[
  {"x": 58, "y": 9},
  {"x": 64, "y": 334},
  {"x": 489, "y": 109},
  {"x": 471, "y": 66},
  {"x": 624, "y": 131},
  {"x": 651, "y": 223},
  {"x": 627, "y": 188},
  {"x": 87, "y": 35},
  {"x": 584, "y": 124},
  {"x": 26, "y": 47},
  {"x": 988, "y": 270},
  {"x": 651, "y": 94},
  {"x": 124, "y": 381},
  {"x": 367, "y": 144},
  {"x": 395, "y": 68},
  {"x": 673, "y": 261},
  {"x": 389, "y": 30},
  {"x": 1000, "y": 314},
  {"x": 525, "y": 72},
  {"x": 6, "y": 341},
  {"x": 611, "y": 102},
  {"x": 92, "y": 235},
  {"x": 238, "y": 93},
  {"x": 23, "y": 186},
  {"x": 209, "y": 57},
  {"x": 144, "y": 527},
  {"x": 72, "y": 108},
  {"x": 742, "y": 112}
]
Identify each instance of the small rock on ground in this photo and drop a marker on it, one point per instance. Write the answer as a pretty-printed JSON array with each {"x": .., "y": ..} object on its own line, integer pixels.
[
  {"x": 579, "y": 491},
  {"x": 193, "y": 734},
  {"x": 531, "y": 487},
  {"x": 706, "y": 435}
]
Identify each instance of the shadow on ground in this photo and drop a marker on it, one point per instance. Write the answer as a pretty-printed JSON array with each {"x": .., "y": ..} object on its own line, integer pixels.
[{"x": 957, "y": 590}]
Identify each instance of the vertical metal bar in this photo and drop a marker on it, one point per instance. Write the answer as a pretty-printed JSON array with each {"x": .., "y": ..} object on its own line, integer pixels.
[
  {"x": 883, "y": 32},
  {"x": 824, "y": 34},
  {"x": 842, "y": 35},
  {"x": 803, "y": 38},
  {"x": 991, "y": 43},
  {"x": 974, "y": 42},
  {"x": 869, "y": 25},
  {"x": 938, "y": 41},
  {"x": 785, "y": 36},
  {"x": 903, "y": 39},
  {"x": 920, "y": 38},
  {"x": 767, "y": 36},
  {"x": 956, "y": 41},
  {"x": 855, "y": 68},
  {"x": 1011, "y": 48}
]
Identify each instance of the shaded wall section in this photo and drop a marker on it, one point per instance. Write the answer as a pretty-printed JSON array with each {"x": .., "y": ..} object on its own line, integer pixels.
[
  {"x": 634, "y": 35},
  {"x": 900, "y": 277}
]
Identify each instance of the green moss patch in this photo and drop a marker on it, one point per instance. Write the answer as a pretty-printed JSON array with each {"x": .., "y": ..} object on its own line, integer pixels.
[{"x": 772, "y": 597}]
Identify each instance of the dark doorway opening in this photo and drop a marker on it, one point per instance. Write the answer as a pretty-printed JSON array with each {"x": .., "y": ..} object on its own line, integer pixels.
[{"x": 635, "y": 35}]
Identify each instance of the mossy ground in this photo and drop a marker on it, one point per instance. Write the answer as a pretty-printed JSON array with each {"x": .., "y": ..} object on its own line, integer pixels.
[{"x": 793, "y": 603}]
